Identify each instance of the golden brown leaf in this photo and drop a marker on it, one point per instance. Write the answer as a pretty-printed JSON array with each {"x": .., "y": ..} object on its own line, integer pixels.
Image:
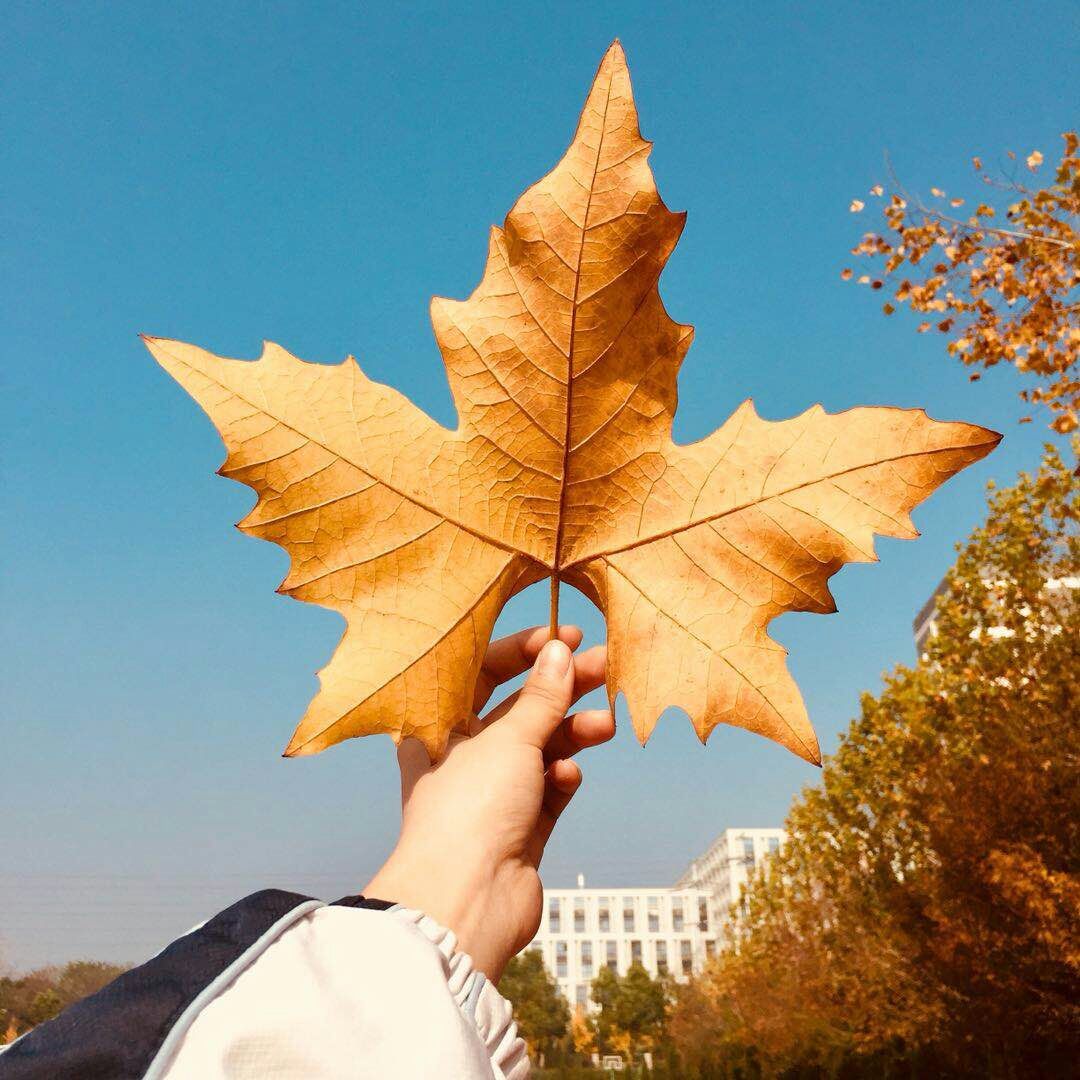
[{"x": 563, "y": 367}]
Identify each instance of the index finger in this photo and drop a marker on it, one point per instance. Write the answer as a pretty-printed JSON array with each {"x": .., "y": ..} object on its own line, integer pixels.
[{"x": 511, "y": 655}]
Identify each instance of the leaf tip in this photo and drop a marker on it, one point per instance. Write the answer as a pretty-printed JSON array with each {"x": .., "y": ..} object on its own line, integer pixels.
[
  {"x": 297, "y": 749},
  {"x": 642, "y": 727},
  {"x": 614, "y": 61},
  {"x": 746, "y": 407},
  {"x": 980, "y": 441},
  {"x": 155, "y": 345},
  {"x": 808, "y": 748}
]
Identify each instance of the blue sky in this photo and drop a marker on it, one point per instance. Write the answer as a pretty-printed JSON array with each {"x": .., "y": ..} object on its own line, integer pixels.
[{"x": 312, "y": 173}]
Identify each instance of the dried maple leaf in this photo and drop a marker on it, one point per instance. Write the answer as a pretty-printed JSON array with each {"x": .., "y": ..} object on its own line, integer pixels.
[{"x": 563, "y": 368}]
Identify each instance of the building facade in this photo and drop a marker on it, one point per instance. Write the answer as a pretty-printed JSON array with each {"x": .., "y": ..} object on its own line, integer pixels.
[
  {"x": 729, "y": 863},
  {"x": 924, "y": 625},
  {"x": 666, "y": 930}
]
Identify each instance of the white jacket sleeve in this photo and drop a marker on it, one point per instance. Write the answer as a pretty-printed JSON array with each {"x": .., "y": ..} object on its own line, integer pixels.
[
  {"x": 354, "y": 993},
  {"x": 284, "y": 987}
]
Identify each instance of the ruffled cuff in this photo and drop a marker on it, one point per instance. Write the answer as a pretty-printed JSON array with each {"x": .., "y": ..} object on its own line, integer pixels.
[{"x": 477, "y": 998}]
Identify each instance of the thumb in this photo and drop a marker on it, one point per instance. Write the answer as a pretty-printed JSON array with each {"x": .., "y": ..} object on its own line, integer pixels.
[{"x": 545, "y": 697}]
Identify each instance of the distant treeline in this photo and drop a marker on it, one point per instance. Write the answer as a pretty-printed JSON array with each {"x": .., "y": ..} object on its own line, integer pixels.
[{"x": 30, "y": 999}]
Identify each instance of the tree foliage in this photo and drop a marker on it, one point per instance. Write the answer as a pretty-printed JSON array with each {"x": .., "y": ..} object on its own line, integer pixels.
[
  {"x": 582, "y": 1033},
  {"x": 925, "y": 913},
  {"x": 632, "y": 1011},
  {"x": 1003, "y": 282},
  {"x": 541, "y": 1012},
  {"x": 640, "y": 1008},
  {"x": 31, "y": 999}
]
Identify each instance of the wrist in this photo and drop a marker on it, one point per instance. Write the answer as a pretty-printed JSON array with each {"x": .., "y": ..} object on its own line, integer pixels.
[{"x": 459, "y": 897}]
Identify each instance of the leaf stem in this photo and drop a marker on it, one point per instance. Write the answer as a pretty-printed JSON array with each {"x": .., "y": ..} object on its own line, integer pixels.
[{"x": 553, "y": 631}]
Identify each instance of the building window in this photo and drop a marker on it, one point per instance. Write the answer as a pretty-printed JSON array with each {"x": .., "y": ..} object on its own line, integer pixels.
[
  {"x": 661, "y": 957},
  {"x": 628, "y": 915},
  {"x": 554, "y": 916},
  {"x": 654, "y": 914},
  {"x": 635, "y": 952},
  {"x": 604, "y": 915},
  {"x": 581, "y": 994},
  {"x": 710, "y": 948},
  {"x": 586, "y": 959},
  {"x": 613, "y": 955},
  {"x": 686, "y": 956},
  {"x": 579, "y": 916},
  {"x": 703, "y": 914},
  {"x": 560, "y": 959},
  {"x": 677, "y": 914},
  {"x": 748, "y": 851},
  {"x": 774, "y": 844}
]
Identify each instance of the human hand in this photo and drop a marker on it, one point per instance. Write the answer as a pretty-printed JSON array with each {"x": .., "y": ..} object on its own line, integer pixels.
[{"x": 474, "y": 826}]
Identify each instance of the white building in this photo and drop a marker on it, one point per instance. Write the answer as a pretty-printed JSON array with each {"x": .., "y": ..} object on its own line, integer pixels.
[
  {"x": 671, "y": 930},
  {"x": 924, "y": 626},
  {"x": 663, "y": 929},
  {"x": 729, "y": 863}
]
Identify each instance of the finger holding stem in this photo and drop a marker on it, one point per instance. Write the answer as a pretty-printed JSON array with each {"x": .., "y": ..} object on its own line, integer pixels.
[{"x": 509, "y": 656}]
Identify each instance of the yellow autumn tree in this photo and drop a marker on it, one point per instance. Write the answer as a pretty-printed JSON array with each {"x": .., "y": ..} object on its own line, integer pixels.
[
  {"x": 1000, "y": 278},
  {"x": 582, "y": 1033},
  {"x": 925, "y": 914}
]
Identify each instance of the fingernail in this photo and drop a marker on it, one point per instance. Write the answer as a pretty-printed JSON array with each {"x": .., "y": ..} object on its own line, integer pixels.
[{"x": 554, "y": 659}]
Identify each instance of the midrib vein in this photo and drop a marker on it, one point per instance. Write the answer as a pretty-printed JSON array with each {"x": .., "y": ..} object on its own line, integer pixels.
[
  {"x": 563, "y": 486},
  {"x": 642, "y": 541}
]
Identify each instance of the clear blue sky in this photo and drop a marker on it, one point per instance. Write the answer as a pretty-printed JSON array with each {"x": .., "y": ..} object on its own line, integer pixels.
[{"x": 312, "y": 173}]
